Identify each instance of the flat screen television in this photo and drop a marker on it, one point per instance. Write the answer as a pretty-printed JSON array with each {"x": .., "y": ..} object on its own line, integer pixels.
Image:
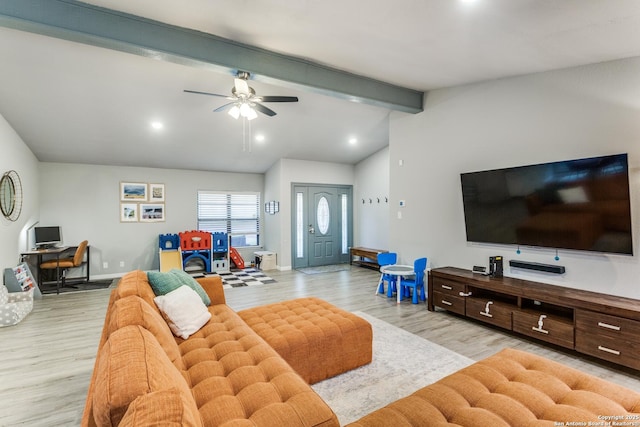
[
  {"x": 47, "y": 236},
  {"x": 578, "y": 204}
]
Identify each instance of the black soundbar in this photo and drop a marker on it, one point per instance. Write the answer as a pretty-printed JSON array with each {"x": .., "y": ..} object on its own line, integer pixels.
[{"x": 548, "y": 268}]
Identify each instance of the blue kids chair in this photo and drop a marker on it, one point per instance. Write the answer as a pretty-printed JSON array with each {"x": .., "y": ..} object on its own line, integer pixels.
[
  {"x": 387, "y": 258},
  {"x": 417, "y": 283}
]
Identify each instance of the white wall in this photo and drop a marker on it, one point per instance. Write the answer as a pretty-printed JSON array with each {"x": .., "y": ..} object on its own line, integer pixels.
[
  {"x": 84, "y": 200},
  {"x": 15, "y": 155},
  {"x": 573, "y": 113},
  {"x": 371, "y": 219},
  {"x": 281, "y": 176}
]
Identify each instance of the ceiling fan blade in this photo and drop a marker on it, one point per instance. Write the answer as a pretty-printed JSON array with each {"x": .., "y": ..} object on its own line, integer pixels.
[
  {"x": 223, "y": 107},
  {"x": 264, "y": 110},
  {"x": 279, "y": 98},
  {"x": 205, "y": 93},
  {"x": 242, "y": 88}
]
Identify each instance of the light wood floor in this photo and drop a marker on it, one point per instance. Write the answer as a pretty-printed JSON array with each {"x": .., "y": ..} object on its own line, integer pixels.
[{"x": 46, "y": 361}]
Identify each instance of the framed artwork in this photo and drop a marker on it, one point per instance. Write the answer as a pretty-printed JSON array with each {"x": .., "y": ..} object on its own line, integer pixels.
[
  {"x": 128, "y": 212},
  {"x": 156, "y": 192},
  {"x": 151, "y": 212},
  {"x": 133, "y": 191}
]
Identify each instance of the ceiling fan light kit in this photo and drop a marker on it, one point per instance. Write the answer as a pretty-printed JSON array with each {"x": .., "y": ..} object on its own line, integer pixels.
[{"x": 244, "y": 101}]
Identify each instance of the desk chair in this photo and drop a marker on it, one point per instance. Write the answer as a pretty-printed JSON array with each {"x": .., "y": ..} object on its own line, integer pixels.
[
  {"x": 386, "y": 258},
  {"x": 417, "y": 283},
  {"x": 65, "y": 264}
]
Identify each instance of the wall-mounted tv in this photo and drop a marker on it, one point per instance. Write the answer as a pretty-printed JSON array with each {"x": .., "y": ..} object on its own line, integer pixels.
[{"x": 578, "y": 204}]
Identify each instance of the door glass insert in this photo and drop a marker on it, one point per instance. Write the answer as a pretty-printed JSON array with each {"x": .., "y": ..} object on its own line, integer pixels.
[
  {"x": 299, "y": 225},
  {"x": 345, "y": 222},
  {"x": 323, "y": 215}
]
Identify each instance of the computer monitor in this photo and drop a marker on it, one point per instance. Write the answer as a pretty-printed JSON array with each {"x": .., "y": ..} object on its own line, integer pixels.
[{"x": 47, "y": 236}]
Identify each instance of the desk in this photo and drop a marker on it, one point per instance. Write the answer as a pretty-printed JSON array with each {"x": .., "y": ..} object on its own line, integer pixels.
[
  {"x": 397, "y": 271},
  {"x": 57, "y": 252}
]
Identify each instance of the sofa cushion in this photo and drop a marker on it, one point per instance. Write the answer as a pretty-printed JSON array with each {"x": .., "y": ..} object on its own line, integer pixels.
[
  {"x": 131, "y": 364},
  {"x": 236, "y": 376},
  {"x": 165, "y": 408},
  {"x": 184, "y": 311},
  {"x": 135, "y": 283},
  {"x": 133, "y": 310}
]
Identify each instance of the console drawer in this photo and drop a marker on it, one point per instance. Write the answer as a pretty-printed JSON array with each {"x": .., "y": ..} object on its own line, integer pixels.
[
  {"x": 551, "y": 329},
  {"x": 489, "y": 311},
  {"x": 609, "y": 348},
  {"x": 607, "y": 325},
  {"x": 449, "y": 302},
  {"x": 448, "y": 287}
]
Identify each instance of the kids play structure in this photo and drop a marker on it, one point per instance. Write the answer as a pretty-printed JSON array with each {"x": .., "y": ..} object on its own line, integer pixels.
[{"x": 210, "y": 251}]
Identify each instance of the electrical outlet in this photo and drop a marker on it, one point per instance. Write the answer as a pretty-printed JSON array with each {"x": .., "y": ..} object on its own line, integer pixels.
[
  {"x": 105, "y": 265},
  {"x": 121, "y": 263}
]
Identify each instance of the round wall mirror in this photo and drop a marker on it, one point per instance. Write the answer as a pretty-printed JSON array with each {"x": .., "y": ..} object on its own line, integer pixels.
[{"x": 11, "y": 195}]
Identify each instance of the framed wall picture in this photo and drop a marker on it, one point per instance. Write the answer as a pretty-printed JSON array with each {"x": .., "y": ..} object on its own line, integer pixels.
[
  {"x": 133, "y": 192},
  {"x": 156, "y": 193},
  {"x": 128, "y": 212},
  {"x": 151, "y": 212}
]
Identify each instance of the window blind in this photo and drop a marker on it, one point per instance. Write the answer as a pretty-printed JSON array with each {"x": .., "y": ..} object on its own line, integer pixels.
[{"x": 237, "y": 214}]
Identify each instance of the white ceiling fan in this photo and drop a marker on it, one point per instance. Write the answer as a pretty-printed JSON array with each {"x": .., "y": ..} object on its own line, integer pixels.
[{"x": 244, "y": 101}]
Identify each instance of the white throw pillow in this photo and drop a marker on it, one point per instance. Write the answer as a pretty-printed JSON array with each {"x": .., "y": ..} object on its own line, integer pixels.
[{"x": 184, "y": 309}]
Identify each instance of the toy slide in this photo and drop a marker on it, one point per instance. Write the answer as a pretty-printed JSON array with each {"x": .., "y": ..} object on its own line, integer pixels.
[
  {"x": 170, "y": 260},
  {"x": 236, "y": 258}
]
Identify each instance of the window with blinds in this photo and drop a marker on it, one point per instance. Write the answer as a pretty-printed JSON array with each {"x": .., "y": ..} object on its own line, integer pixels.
[{"x": 237, "y": 214}]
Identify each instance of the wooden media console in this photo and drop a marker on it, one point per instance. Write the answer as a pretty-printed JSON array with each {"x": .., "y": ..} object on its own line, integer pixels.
[{"x": 600, "y": 325}]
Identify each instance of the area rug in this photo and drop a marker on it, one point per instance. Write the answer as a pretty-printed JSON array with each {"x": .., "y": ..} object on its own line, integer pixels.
[
  {"x": 402, "y": 363},
  {"x": 245, "y": 277},
  {"x": 324, "y": 269}
]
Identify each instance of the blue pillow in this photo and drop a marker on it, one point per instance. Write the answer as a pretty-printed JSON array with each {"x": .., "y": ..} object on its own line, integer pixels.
[{"x": 185, "y": 279}]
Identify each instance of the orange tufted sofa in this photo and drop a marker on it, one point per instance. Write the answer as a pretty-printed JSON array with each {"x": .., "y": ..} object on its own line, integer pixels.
[
  {"x": 512, "y": 388},
  {"x": 223, "y": 375}
]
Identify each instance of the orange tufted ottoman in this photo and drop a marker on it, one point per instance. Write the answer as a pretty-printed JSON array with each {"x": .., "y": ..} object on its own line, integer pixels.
[
  {"x": 512, "y": 388},
  {"x": 316, "y": 338}
]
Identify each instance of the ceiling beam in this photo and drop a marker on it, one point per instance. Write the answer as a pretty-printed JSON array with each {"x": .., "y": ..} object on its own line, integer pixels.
[{"x": 97, "y": 26}]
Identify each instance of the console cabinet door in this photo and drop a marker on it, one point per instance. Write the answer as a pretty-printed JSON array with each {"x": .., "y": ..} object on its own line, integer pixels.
[
  {"x": 489, "y": 311},
  {"x": 549, "y": 329}
]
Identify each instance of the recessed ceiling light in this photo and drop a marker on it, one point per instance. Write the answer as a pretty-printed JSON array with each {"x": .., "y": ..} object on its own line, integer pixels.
[
  {"x": 353, "y": 141},
  {"x": 157, "y": 125},
  {"x": 259, "y": 137}
]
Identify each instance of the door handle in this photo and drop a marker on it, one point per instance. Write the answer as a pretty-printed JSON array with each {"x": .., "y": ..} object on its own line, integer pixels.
[{"x": 311, "y": 229}]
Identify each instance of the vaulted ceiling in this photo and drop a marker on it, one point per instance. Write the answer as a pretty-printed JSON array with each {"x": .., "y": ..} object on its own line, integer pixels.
[{"x": 84, "y": 86}]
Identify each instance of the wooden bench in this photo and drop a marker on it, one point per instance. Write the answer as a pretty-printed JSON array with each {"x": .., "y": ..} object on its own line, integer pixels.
[{"x": 367, "y": 257}]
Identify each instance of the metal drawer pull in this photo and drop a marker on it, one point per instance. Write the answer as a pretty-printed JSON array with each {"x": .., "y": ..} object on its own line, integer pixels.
[
  {"x": 446, "y": 302},
  {"x": 446, "y": 287},
  {"x": 486, "y": 310},
  {"x": 608, "y": 326},
  {"x": 608, "y": 350},
  {"x": 541, "y": 325},
  {"x": 462, "y": 294}
]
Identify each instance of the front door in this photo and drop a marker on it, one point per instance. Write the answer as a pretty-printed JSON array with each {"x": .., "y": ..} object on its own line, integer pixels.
[{"x": 321, "y": 225}]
